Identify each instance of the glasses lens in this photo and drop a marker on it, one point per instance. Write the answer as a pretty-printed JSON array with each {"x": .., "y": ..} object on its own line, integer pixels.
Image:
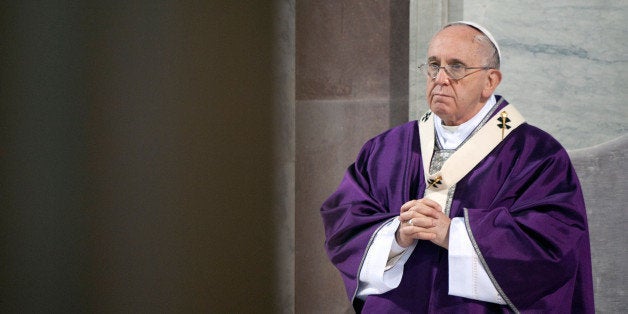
[
  {"x": 429, "y": 70},
  {"x": 432, "y": 70},
  {"x": 455, "y": 71}
]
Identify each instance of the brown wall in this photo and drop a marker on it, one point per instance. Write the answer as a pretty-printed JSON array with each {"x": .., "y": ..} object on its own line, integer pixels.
[
  {"x": 351, "y": 84},
  {"x": 136, "y": 155}
]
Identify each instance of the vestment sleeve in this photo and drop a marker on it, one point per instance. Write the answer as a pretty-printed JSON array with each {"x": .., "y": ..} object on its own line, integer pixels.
[
  {"x": 467, "y": 276},
  {"x": 377, "y": 274},
  {"x": 534, "y": 241},
  {"x": 351, "y": 215}
]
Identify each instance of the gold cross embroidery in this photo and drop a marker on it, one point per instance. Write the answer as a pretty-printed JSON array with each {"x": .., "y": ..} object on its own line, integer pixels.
[
  {"x": 434, "y": 182},
  {"x": 503, "y": 125}
]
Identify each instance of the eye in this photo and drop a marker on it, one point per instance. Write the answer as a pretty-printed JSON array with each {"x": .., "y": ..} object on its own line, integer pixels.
[
  {"x": 433, "y": 66},
  {"x": 457, "y": 67}
]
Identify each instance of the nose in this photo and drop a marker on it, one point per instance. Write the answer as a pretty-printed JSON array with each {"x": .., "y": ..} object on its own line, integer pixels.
[{"x": 441, "y": 77}]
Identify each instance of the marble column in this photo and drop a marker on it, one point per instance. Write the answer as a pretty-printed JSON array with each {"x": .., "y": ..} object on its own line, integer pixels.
[{"x": 564, "y": 66}]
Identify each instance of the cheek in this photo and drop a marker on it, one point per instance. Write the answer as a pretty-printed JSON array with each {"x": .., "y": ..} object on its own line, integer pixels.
[
  {"x": 428, "y": 94},
  {"x": 429, "y": 89}
]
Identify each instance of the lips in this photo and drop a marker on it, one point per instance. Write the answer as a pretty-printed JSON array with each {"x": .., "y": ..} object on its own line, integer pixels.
[
  {"x": 439, "y": 95},
  {"x": 439, "y": 91}
]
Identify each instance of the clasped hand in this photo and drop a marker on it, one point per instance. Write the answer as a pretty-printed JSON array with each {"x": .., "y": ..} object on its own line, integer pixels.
[{"x": 423, "y": 219}]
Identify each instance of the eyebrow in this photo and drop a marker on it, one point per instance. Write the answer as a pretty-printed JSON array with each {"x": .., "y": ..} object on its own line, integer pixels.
[{"x": 450, "y": 61}]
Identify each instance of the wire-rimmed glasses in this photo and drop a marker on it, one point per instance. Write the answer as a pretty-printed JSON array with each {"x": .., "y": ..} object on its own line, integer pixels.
[{"x": 455, "y": 71}]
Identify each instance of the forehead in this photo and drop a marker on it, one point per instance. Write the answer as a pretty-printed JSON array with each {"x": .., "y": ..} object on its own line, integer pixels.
[{"x": 455, "y": 42}]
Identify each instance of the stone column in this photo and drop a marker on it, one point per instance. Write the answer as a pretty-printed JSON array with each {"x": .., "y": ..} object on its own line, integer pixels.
[{"x": 351, "y": 84}]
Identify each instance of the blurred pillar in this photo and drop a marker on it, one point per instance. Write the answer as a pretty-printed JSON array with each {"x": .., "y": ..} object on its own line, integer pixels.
[{"x": 146, "y": 157}]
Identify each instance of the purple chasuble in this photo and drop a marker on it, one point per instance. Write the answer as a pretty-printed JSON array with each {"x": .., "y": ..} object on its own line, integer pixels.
[{"x": 523, "y": 205}]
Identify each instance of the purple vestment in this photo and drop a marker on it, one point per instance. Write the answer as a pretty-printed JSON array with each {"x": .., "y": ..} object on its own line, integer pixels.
[{"x": 524, "y": 208}]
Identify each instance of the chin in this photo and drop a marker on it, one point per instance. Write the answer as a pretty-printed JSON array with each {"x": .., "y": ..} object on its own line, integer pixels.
[{"x": 439, "y": 109}]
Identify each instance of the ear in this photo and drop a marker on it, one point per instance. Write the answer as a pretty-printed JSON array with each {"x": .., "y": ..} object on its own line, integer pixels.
[{"x": 493, "y": 79}]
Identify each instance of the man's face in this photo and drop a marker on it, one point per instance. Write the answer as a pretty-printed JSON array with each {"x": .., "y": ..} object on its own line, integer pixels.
[{"x": 457, "y": 101}]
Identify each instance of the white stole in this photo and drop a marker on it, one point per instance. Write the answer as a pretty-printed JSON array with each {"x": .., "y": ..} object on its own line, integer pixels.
[{"x": 474, "y": 150}]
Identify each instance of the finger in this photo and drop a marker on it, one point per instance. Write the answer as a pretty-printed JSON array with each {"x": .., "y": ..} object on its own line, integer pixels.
[
  {"x": 407, "y": 205},
  {"x": 417, "y": 233},
  {"x": 420, "y": 212},
  {"x": 424, "y": 236},
  {"x": 428, "y": 211},
  {"x": 425, "y": 222},
  {"x": 431, "y": 203},
  {"x": 425, "y": 203},
  {"x": 404, "y": 217}
]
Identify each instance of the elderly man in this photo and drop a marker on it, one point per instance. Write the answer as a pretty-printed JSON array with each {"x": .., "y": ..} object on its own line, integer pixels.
[{"x": 467, "y": 210}]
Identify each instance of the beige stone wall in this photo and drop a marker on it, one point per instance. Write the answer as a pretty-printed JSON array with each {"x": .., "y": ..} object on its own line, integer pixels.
[{"x": 351, "y": 84}]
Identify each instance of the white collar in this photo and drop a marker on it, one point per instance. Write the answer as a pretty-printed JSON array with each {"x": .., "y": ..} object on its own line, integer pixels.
[{"x": 452, "y": 136}]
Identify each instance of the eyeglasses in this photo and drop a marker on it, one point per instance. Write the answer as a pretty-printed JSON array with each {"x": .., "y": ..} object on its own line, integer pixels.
[{"x": 454, "y": 71}]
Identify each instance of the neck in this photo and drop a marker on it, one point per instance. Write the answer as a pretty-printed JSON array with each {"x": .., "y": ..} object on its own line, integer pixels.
[
  {"x": 455, "y": 121},
  {"x": 451, "y": 137}
]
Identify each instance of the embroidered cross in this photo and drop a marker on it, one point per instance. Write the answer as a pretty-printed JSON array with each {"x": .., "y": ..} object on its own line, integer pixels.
[
  {"x": 426, "y": 116},
  {"x": 503, "y": 122},
  {"x": 434, "y": 182}
]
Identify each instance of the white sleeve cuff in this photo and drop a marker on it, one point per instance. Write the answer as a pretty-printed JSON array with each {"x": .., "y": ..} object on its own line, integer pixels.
[
  {"x": 395, "y": 249},
  {"x": 467, "y": 276},
  {"x": 376, "y": 277}
]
